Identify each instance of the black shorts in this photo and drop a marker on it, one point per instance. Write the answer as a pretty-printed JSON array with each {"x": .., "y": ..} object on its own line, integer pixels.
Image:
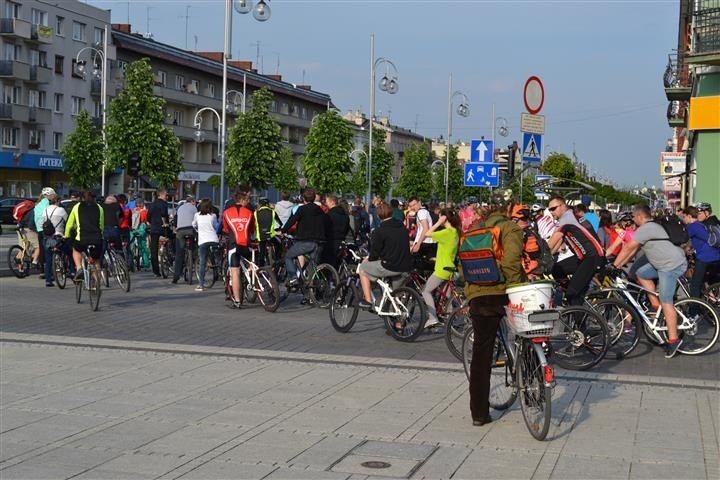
[
  {"x": 240, "y": 251},
  {"x": 81, "y": 246}
]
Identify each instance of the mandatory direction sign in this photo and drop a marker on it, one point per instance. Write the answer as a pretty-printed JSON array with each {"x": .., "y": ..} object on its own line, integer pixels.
[
  {"x": 482, "y": 151},
  {"x": 532, "y": 148},
  {"x": 482, "y": 174}
]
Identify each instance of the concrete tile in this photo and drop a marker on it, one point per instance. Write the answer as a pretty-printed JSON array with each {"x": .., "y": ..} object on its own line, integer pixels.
[
  {"x": 224, "y": 469},
  {"x": 409, "y": 451},
  {"x": 10, "y": 450},
  {"x": 34, "y": 471},
  {"x": 325, "y": 453},
  {"x": 650, "y": 470},
  {"x": 397, "y": 467},
  {"x": 192, "y": 440},
  {"x": 442, "y": 463},
  {"x": 294, "y": 474},
  {"x": 143, "y": 464},
  {"x": 12, "y": 418},
  {"x": 590, "y": 467},
  {"x": 84, "y": 457}
]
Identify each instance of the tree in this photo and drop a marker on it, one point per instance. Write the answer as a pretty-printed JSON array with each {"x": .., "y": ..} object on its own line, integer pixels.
[
  {"x": 254, "y": 144},
  {"x": 559, "y": 165},
  {"x": 326, "y": 163},
  {"x": 382, "y": 163},
  {"x": 456, "y": 181},
  {"x": 83, "y": 152},
  {"x": 136, "y": 124},
  {"x": 286, "y": 179},
  {"x": 416, "y": 178}
]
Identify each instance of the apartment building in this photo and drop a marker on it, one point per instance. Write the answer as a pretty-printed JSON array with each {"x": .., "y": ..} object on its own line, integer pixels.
[{"x": 42, "y": 89}]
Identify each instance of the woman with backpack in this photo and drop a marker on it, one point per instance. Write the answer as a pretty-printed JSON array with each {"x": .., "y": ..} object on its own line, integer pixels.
[
  {"x": 608, "y": 235},
  {"x": 53, "y": 223},
  {"x": 707, "y": 257}
]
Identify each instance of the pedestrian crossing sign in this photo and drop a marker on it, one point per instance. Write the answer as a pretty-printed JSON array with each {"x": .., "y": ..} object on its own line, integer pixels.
[{"x": 532, "y": 148}]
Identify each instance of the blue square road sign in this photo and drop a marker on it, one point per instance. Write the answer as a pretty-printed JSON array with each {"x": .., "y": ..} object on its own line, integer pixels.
[
  {"x": 482, "y": 151},
  {"x": 532, "y": 148},
  {"x": 482, "y": 174}
]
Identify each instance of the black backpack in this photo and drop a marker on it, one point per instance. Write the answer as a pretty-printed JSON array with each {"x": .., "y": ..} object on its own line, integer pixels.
[{"x": 675, "y": 228}]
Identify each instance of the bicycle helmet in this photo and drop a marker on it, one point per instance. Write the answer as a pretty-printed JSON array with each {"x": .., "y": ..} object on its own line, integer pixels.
[
  {"x": 703, "y": 206},
  {"x": 263, "y": 201},
  {"x": 47, "y": 191},
  {"x": 520, "y": 212},
  {"x": 537, "y": 209},
  {"x": 624, "y": 217}
]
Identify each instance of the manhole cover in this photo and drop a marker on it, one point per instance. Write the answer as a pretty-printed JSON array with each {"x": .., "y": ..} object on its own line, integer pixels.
[{"x": 375, "y": 464}]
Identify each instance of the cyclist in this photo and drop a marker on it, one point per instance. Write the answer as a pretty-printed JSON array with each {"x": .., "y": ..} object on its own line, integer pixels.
[
  {"x": 57, "y": 215},
  {"x": 283, "y": 208},
  {"x": 487, "y": 306},
  {"x": 665, "y": 262},
  {"x": 139, "y": 231},
  {"x": 237, "y": 221},
  {"x": 113, "y": 215},
  {"x": 184, "y": 223},
  {"x": 389, "y": 254},
  {"x": 157, "y": 215},
  {"x": 589, "y": 255},
  {"x": 705, "y": 214},
  {"x": 707, "y": 258},
  {"x": 312, "y": 226},
  {"x": 266, "y": 224},
  {"x": 422, "y": 243},
  {"x": 88, "y": 220},
  {"x": 447, "y": 241},
  {"x": 339, "y": 227},
  {"x": 206, "y": 223},
  {"x": 531, "y": 253},
  {"x": 124, "y": 225}
]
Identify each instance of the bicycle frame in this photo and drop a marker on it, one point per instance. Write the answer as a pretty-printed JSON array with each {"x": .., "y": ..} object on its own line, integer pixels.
[
  {"x": 387, "y": 296},
  {"x": 537, "y": 344}
]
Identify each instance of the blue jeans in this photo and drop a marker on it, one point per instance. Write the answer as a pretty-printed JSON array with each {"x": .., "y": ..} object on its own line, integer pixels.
[
  {"x": 298, "y": 248},
  {"x": 180, "y": 249},
  {"x": 48, "y": 246},
  {"x": 667, "y": 280},
  {"x": 204, "y": 249}
]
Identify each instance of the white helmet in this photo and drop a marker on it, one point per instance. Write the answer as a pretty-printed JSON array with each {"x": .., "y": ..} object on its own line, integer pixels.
[{"x": 47, "y": 192}]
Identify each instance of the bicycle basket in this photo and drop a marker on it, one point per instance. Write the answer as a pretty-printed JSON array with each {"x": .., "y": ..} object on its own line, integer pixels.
[{"x": 538, "y": 323}]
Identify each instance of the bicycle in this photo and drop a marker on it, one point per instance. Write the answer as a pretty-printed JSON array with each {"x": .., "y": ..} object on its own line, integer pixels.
[
  {"x": 91, "y": 279},
  {"x": 19, "y": 257},
  {"x": 188, "y": 270},
  {"x": 213, "y": 265},
  {"x": 520, "y": 365},
  {"x": 259, "y": 283},
  {"x": 316, "y": 282},
  {"x": 60, "y": 261},
  {"x": 166, "y": 257},
  {"x": 114, "y": 265}
]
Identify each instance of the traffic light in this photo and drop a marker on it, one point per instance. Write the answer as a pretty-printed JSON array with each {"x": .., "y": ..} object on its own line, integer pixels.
[
  {"x": 511, "y": 159},
  {"x": 133, "y": 164}
]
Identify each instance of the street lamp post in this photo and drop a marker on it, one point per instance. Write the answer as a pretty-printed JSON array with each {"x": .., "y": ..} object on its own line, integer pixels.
[
  {"x": 232, "y": 102},
  {"x": 197, "y": 122},
  {"x": 387, "y": 84},
  {"x": 261, "y": 12},
  {"x": 464, "y": 111},
  {"x": 103, "y": 92}
]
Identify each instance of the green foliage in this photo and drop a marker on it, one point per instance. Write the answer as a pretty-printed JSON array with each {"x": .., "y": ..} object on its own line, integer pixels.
[
  {"x": 136, "y": 124},
  {"x": 286, "y": 179},
  {"x": 415, "y": 179},
  {"x": 214, "y": 181},
  {"x": 83, "y": 152},
  {"x": 326, "y": 163},
  {"x": 382, "y": 164},
  {"x": 559, "y": 165},
  {"x": 456, "y": 183},
  {"x": 254, "y": 145}
]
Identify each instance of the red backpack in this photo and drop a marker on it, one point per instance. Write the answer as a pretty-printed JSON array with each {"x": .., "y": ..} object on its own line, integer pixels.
[{"x": 21, "y": 209}]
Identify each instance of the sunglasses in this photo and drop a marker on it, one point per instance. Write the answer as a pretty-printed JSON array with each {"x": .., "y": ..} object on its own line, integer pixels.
[{"x": 552, "y": 209}]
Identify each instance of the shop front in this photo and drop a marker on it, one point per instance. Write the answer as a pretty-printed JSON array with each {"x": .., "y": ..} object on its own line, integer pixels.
[
  {"x": 25, "y": 174},
  {"x": 195, "y": 184}
]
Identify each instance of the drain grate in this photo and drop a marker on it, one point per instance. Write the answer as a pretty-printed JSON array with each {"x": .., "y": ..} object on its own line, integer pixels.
[{"x": 376, "y": 464}]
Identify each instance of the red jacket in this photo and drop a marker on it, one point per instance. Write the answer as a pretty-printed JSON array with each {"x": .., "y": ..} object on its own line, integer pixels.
[{"x": 239, "y": 222}]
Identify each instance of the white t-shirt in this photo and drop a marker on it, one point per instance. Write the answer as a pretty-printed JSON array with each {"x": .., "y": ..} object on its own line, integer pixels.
[
  {"x": 421, "y": 215},
  {"x": 546, "y": 226},
  {"x": 206, "y": 226},
  {"x": 58, "y": 216}
]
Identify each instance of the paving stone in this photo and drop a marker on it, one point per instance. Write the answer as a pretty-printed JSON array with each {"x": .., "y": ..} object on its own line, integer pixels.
[
  {"x": 398, "y": 467},
  {"x": 324, "y": 453},
  {"x": 293, "y": 474},
  {"x": 591, "y": 467},
  {"x": 651, "y": 470},
  {"x": 223, "y": 469},
  {"x": 443, "y": 462},
  {"x": 35, "y": 471},
  {"x": 394, "y": 450}
]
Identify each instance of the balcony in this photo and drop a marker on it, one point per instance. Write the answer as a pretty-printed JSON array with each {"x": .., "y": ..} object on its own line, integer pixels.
[
  {"x": 676, "y": 79},
  {"x": 96, "y": 86},
  {"x": 14, "y": 69},
  {"x": 677, "y": 114},
  {"x": 14, "y": 27},
  {"x": 41, "y": 34},
  {"x": 705, "y": 33},
  {"x": 189, "y": 133},
  {"x": 39, "y": 115},
  {"x": 182, "y": 97},
  {"x": 39, "y": 74},
  {"x": 14, "y": 113}
]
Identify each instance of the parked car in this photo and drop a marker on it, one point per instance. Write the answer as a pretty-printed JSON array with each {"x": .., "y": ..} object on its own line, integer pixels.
[{"x": 6, "y": 209}]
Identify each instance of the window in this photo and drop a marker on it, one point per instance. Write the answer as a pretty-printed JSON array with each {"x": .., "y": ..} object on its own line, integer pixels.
[
  {"x": 33, "y": 98},
  {"x": 294, "y": 110},
  {"x": 34, "y": 57},
  {"x": 42, "y": 59},
  {"x": 194, "y": 86},
  {"x": 59, "y": 63},
  {"x": 303, "y": 113},
  {"x": 97, "y": 109},
  {"x": 99, "y": 36},
  {"x": 60, "y": 26},
  {"x": 58, "y": 103},
  {"x": 284, "y": 108},
  {"x": 12, "y": 10},
  {"x": 211, "y": 90},
  {"x": 273, "y": 106},
  {"x": 161, "y": 78},
  {"x": 13, "y": 51},
  {"x": 78, "y": 104},
  {"x": 12, "y": 94},
  {"x": 179, "y": 82},
  {"x": 36, "y": 139},
  {"x": 57, "y": 141},
  {"x": 42, "y": 99},
  {"x": 78, "y": 32},
  {"x": 38, "y": 17},
  {"x": 178, "y": 117},
  {"x": 10, "y": 136}
]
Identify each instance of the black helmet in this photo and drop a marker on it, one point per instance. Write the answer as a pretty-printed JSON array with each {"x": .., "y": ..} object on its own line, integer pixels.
[{"x": 703, "y": 206}]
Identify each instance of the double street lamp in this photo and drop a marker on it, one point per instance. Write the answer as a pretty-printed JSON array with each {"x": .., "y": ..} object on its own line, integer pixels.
[
  {"x": 388, "y": 83},
  {"x": 81, "y": 67},
  {"x": 464, "y": 111},
  {"x": 261, "y": 12},
  {"x": 197, "y": 122},
  {"x": 232, "y": 102}
]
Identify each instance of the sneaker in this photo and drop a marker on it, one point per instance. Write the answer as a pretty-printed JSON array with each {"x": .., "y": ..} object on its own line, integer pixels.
[
  {"x": 432, "y": 322},
  {"x": 293, "y": 282},
  {"x": 365, "y": 305},
  {"x": 671, "y": 349},
  {"x": 199, "y": 288},
  {"x": 78, "y": 276},
  {"x": 49, "y": 284},
  {"x": 481, "y": 422},
  {"x": 174, "y": 281}
]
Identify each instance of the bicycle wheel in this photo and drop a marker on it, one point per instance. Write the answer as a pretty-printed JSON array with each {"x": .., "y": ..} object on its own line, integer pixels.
[
  {"x": 164, "y": 263},
  {"x": 344, "y": 307},
  {"x": 122, "y": 275},
  {"x": 94, "y": 289},
  {"x": 503, "y": 389},
  {"x": 583, "y": 341},
  {"x": 79, "y": 285},
  {"x": 455, "y": 330},
  {"x": 189, "y": 267},
  {"x": 321, "y": 286},
  {"x": 408, "y": 322},
  {"x": 712, "y": 295},
  {"x": 467, "y": 349},
  {"x": 622, "y": 322},
  {"x": 59, "y": 270},
  {"x": 17, "y": 262},
  {"x": 535, "y": 396},
  {"x": 267, "y": 289},
  {"x": 702, "y": 332}
]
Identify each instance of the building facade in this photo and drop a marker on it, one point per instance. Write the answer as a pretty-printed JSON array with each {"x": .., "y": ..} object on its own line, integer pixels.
[{"x": 42, "y": 88}]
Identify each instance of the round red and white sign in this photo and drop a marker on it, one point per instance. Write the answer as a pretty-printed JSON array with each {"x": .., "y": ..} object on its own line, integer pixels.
[{"x": 533, "y": 95}]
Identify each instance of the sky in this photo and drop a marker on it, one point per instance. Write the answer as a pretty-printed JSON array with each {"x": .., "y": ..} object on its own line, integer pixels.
[{"x": 601, "y": 64}]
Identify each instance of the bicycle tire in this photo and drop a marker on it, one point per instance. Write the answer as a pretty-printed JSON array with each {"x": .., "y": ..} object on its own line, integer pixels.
[
  {"x": 623, "y": 322},
  {"x": 535, "y": 396},
  {"x": 188, "y": 267},
  {"x": 94, "y": 290},
  {"x": 705, "y": 329},
  {"x": 503, "y": 387},
  {"x": 712, "y": 295},
  {"x": 467, "y": 349},
  {"x": 79, "y": 285},
  {"x": 19, "y": 268},
  {"x": 413, "y": 315},
  {"x": 59, "y": 270},
  {"x": 211, "y": 271},
  {"x": 344, "y": 308},
  {"x": 455, "y": 327},
  {"x": 584, "y": 339},
  {"x": 268, "y": 290},
  {"x": 122, "y": 273},
  {"x": 322, "y": 284}
]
